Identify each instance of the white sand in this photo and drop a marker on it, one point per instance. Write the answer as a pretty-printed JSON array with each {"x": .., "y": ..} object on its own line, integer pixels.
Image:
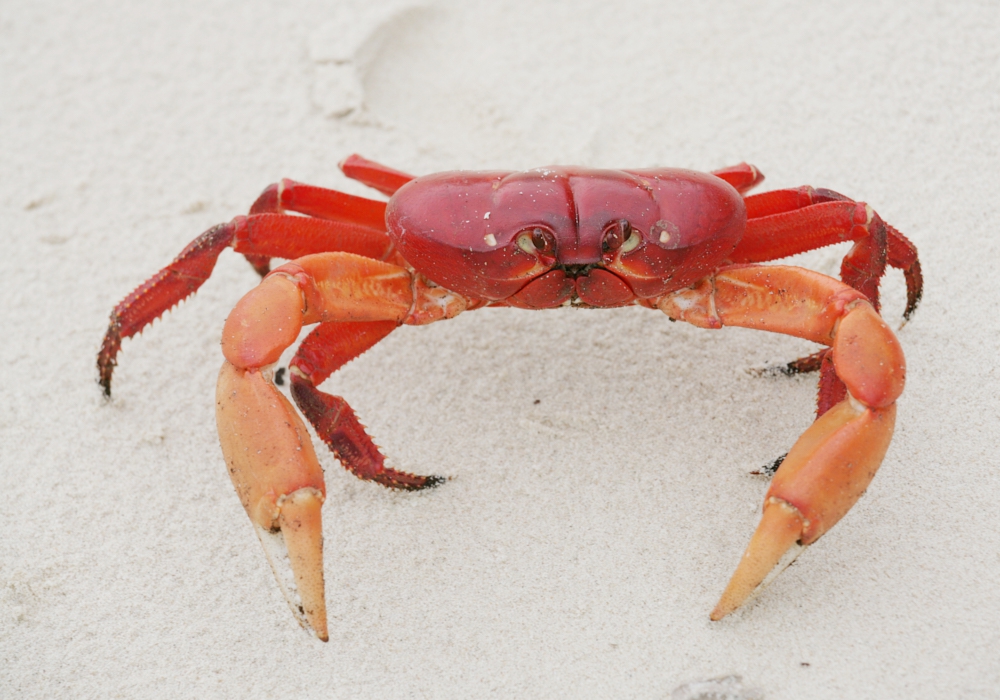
[{"x": 583, "y": 539}]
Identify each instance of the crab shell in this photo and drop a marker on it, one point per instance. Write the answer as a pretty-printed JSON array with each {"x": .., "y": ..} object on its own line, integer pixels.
[{"x": 467, "y": 231}]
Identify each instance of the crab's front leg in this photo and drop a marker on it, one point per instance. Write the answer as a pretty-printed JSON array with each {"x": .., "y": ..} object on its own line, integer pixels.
[
  {"x": 833, "y": 462},
  {"x": 267, "y": 448}
]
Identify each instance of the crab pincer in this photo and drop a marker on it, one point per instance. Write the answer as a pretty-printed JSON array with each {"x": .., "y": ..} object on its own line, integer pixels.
[
  {"x": 833, "y": 462},
  {"x": 266, "y": 446}
]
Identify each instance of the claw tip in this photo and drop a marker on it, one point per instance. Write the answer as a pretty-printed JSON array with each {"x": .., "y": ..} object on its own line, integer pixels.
[{"x": 772, "y": 548}]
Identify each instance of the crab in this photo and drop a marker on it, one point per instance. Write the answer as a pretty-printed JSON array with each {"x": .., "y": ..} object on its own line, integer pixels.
[{"x": 684, "y": 243}]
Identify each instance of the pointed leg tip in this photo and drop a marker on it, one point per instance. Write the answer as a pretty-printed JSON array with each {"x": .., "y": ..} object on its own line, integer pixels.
[
  {"x": 104, "y": 373},
  {"x": 729, "y": 602},
  {"x": 390, "y": 478}
]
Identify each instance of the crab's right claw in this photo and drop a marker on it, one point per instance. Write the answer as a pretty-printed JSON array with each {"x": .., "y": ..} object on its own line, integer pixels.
[{"x": 275, "y": 471}]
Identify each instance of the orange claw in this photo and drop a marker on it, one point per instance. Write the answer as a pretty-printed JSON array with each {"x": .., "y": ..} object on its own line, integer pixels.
[
  {"x": 267, "y": 448},
  {"x": 823, "y": 475},
  {"x": 835, "y": 459},
  {"x": 276, "y": 474}
]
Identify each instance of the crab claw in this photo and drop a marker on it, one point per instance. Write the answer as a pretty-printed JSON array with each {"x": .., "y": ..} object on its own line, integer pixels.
[
  {"x": 824, "y": 474},
  {"x": 275, "y": 471}
]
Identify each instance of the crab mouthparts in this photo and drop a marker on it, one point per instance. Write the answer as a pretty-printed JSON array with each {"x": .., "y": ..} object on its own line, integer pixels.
[
  {"x": 577, "y": 285},
  {"x": 575, "y": 271}
]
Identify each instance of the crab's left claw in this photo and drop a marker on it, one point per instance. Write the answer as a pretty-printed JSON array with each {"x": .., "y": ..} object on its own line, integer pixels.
[
  {"x": 833, "y": 462},
  {"x": 275, "y": 471},
  {"x": 823, "y": 476}
]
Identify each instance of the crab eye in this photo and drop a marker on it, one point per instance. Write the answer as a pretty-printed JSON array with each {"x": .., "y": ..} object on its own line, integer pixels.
[
  {"x": 631, "y": 240},
  {"x": 615, "y": 235},
  {"x": 536, "y": 240}
]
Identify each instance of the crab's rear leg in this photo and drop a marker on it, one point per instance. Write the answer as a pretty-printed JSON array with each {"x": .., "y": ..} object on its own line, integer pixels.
[
  {"x": 833, "y": 462},
  {"x": 743, "y": 177},
  {"x": 290, "y": 196},
  {"x": 258, "y": 235},
  {"x": 377, "y": 176},
  {"x": 791, "y": 221}
]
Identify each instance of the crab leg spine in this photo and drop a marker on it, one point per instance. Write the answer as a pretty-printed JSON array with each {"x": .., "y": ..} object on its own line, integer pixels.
[
  {"x": 903, "y": 256},
  {"x": 259, "y": 237},
  {"x": 160, "y": 293}
]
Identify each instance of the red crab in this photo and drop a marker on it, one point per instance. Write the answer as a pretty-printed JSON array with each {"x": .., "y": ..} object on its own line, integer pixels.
[{"x": 683, "y": 242}]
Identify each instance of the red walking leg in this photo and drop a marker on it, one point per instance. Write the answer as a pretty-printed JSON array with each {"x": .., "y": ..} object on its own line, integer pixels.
[
  {"x": 377, "y": 176},
  {"x": 259, "y": 236},
  {"x": 743, "y": 176},
  {"x": 288, "y": 195},
  {"x": 792, "y": 221},
  {"x": 161, "y": 292},
  {"x": 326, "y": 349}
]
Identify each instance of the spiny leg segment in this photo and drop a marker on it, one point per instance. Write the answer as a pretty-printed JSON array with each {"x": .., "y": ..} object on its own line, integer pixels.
[{"x": 325, "y": 350}]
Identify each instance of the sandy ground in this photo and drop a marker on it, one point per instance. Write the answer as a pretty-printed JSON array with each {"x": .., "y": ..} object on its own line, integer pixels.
[{"x": 600, "y": 493}]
